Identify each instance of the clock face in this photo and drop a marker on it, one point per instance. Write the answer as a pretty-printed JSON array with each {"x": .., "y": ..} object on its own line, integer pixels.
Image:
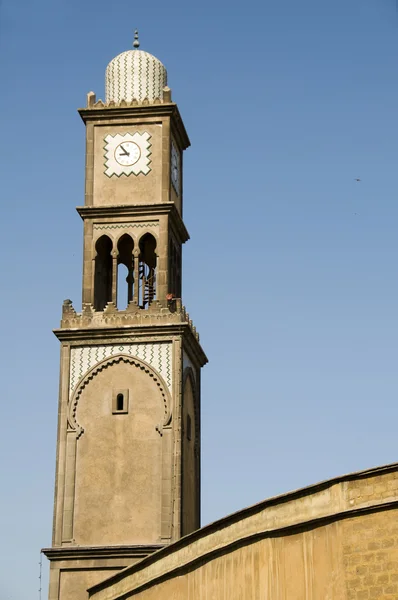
[
  {"x": 175, "y": 168},
  {"x": 127, "y": 154}
]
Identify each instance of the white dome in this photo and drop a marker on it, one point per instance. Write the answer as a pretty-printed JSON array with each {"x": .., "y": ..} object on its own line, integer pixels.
[{"x": 135, "y": 75}]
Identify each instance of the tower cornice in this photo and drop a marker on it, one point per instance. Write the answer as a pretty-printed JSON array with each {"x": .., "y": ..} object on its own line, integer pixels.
[
  {"x": 159, "y": 321},
  {"x": 95, "y": 335},
  {"x": 104, "y": 113},
  {"x": 100, "y": 552},
  {"x": 104, "y": 212}
]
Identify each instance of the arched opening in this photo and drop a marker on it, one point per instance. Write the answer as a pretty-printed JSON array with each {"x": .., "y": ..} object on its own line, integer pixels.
[
  {"x": 103, "y": 273},
  {"x": 125, "y": 271},
  {"x": 174, "y": 286},
  {"x": 122, "y": 286},
  {"x": 119, "y": 402},
  {"x": 147, "y": 271}
]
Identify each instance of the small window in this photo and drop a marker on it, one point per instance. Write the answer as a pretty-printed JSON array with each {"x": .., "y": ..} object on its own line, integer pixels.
[
  {"x": 119, "y": 402},
  {"x": 120, "y": 399},
  {"x": 189, "y": 427}
]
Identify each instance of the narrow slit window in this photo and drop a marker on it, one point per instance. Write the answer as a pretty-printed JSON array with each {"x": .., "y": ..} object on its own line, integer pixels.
[
  {"x": 119, "y": 402},
  {"x": 189, "y": 427}
]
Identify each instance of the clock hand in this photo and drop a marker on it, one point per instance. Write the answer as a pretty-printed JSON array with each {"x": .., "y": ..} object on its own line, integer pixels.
[{"x": 124, "y": 153}]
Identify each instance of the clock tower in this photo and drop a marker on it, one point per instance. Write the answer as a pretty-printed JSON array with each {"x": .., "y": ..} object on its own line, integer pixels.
[{"x": 128, "y": 448}]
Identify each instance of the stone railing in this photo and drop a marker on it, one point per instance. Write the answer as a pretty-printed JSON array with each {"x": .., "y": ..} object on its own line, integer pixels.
[
  {"x": 171, "y": 313},
  {"x": 92, "y": 101}
]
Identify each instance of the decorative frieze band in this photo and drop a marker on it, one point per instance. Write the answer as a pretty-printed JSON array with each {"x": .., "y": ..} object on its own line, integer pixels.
[
  {"x": 101, "y": 227},
  {"x": 134, "y": 229},
  {"x": 84, "y": 358}
]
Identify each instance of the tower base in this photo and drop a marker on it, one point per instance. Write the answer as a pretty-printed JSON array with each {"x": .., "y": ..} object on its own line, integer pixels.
[{"x": 74, "y": 569}]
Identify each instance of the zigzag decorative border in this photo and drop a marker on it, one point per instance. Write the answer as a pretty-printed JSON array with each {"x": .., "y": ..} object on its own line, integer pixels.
[
  {"x": 99, "y": 226},
  {"x": 187, "y": 364},
  {"x": 104, "y": 365},
  {"x": 84, "y": 358}
]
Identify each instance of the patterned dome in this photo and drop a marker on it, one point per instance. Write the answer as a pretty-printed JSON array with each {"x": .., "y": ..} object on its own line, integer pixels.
[{"x": 135, "y": 75}]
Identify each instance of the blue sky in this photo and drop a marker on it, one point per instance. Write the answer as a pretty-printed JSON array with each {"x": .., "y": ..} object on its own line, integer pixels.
[{"x": 291, "y": 271}]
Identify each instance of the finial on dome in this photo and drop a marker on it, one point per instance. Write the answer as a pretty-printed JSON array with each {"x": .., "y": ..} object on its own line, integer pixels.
[{"x": 136, "y": 43}]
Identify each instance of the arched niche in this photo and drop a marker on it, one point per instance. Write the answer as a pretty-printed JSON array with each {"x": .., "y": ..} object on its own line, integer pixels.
[
  {"x": 190, "y": 501},
  {"x": 117, "y": 468}
]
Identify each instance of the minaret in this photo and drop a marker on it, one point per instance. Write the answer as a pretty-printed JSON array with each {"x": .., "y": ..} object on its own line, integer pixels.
[{"x": 128, "y": 449}]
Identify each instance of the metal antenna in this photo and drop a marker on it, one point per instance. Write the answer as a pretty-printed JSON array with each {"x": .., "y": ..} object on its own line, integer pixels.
[
  {"x": 136, "y": 43},
  {"x": 41, "y": 565}
]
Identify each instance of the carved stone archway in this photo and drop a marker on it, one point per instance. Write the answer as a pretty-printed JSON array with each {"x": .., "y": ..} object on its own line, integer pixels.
[
  {"x": 75, "y": 430},
  {"x": 106, "y": 363}
]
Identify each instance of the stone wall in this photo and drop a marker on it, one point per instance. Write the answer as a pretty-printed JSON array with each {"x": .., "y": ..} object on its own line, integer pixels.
[{"x": 337, "y": 540}]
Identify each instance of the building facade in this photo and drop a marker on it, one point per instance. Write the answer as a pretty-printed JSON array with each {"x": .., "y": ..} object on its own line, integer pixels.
[
  {"x": 337, "y": 540},
  {"x": 128, "y": 449}
]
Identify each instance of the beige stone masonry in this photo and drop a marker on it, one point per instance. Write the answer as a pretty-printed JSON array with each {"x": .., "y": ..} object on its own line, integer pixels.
[
  {"x": 99, "y": 111},
  {"x": 157, "y": 314},
  {"x": 122, "y": 459},
  {"x": 355, "y": 512}
]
